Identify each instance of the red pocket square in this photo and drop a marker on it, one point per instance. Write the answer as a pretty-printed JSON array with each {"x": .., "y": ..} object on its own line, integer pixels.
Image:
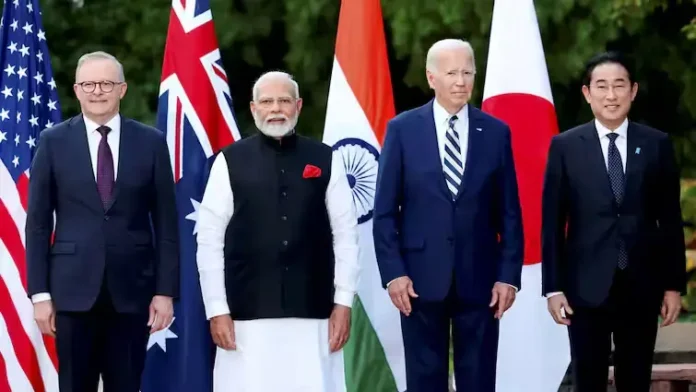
[{"x": 311, "y": 171}]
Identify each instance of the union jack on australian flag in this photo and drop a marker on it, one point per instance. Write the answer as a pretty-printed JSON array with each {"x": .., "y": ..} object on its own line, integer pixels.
[{"x": 195, "y": 112}]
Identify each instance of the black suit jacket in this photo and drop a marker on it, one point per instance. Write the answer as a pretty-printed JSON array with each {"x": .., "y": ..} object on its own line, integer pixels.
[
  {"x": 582, "y": 223},
  {"x": 132, "y": 246}
]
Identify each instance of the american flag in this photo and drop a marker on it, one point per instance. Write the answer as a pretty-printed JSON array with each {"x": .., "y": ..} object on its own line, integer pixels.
[
  {"x": 28, "y": 104},
  {"x": 195, "y": 112}
]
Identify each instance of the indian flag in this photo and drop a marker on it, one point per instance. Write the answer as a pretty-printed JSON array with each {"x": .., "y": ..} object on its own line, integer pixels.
[
  {"x": 359, "y": 105},
  {"x": 533, "y": 352}
]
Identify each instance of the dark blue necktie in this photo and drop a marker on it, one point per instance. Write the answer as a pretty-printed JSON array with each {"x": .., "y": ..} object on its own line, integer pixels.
[{"x": 618, "y": 181}]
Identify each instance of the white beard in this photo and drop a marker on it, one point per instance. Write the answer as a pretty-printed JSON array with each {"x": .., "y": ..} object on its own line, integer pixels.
[{"x": 276, "y": 130}]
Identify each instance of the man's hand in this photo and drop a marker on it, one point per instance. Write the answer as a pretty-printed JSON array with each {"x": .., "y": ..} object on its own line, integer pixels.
[
  {"x": 401, "y": 291},
  {"x": 222, "y": 330},
  {"x": 45, "y": 317},
  {"x": 339, "y": 327},
  {"x": 557, "y": 305},
  {"x": 671, "y": 305},
  {"x": 503, "y": 297},
  {"x": 161, "y": 313}
]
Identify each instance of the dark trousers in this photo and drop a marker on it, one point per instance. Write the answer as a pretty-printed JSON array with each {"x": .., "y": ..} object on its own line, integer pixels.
[
  {"x": 633, "y": 322},
  {"x": 426, "y": 334},
  {"x": 101, "y": 342}
]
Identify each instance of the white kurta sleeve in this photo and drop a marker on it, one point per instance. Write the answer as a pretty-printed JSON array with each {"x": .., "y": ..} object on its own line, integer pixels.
[
  {"x": 344, "y": 226},
  {"x": 214, "y": 214}
]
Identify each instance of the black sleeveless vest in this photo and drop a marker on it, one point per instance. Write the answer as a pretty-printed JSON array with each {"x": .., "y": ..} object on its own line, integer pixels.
[{"x": 279, "y": 259}]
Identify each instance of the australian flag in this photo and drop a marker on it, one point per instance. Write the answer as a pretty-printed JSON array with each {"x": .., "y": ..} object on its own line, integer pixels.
[{"x": 195, "y": 112}]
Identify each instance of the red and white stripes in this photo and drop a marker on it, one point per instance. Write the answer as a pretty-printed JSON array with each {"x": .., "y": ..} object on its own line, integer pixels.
[{"x": 28, "y": 360}]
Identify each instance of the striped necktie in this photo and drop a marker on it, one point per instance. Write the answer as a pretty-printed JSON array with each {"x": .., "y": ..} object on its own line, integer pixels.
[{"x": 453, "y": 167}]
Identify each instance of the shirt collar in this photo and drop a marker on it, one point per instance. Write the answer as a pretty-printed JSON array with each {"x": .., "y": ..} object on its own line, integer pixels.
[
  {"x": 603, "y": 131},
  {"x": 114, "y": 124},
  {"x": 442, "y": 116}
]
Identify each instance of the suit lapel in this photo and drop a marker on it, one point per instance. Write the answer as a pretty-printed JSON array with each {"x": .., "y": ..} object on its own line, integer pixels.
[
  {"x": 596, "y": 164},
  {"x": 635, "y": 161},
  {"x": 431, "y": 149},
  {"x": 474, "y": 149},
  {"x": 84, "y": 166}
]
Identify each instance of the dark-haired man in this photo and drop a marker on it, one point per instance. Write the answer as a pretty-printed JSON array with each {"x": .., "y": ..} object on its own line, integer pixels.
[{"x": 613, "y": 248}]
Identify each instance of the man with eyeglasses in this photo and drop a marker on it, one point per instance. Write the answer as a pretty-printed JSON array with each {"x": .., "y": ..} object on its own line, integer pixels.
[
  {"x": 612, "y": 242},
  {"x": 278, "y": 253},
  {"x": 108, "y": 277}
]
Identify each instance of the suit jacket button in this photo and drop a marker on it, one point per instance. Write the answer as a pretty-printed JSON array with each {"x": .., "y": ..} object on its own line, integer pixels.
[{"x": 106, "y": 217}]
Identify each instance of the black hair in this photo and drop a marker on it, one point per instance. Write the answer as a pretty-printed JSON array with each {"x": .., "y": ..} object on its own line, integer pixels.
[{"x": 607, "y": 58}]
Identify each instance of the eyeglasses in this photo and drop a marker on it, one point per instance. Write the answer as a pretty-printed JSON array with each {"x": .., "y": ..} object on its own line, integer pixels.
[{"x": 105, "y": 86}]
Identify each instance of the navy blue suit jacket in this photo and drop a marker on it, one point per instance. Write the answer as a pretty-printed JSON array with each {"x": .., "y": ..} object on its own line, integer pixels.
[
  {"x": 132, "y": 246},
  {"x": 581, "y": 221},
  {"x": 420, "y": 232}
]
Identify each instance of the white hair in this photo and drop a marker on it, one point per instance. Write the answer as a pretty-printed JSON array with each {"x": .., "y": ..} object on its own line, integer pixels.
[
  {"x": 447, "y": 44},
  {"x": 275, "y": 75},
  {"x": 99, "y": 55}
]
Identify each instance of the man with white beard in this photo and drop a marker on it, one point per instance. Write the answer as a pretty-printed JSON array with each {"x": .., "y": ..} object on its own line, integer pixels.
[{"x": 278, "y": 253}]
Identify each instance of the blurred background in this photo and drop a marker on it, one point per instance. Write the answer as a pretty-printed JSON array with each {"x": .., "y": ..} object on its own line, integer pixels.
[{"x": 299, "y": 36}]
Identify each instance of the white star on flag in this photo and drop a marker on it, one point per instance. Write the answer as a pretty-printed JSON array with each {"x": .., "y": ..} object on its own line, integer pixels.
[
  {"x": 194, "y": 216},
  {"x": 160, "y": 337},
  {"x": 24, "y": 50}
]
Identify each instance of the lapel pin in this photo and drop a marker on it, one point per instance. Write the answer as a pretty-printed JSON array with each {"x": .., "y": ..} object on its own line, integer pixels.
[
  {"x": 478, "y": 129},
  {"x": 637, "y": 150}
]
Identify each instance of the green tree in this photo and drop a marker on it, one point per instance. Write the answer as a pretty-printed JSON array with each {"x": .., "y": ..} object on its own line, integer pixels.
[{"x": 299, "y": 36}]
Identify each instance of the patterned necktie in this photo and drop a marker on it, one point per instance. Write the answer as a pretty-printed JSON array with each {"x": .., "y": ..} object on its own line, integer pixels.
[
  {"x": 617, "y": 179},
  {"x": 453, "y": 166},
  {"x": 105, "y": 167}
]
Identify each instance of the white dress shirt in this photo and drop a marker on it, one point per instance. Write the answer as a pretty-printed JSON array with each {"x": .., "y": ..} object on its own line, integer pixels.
[
  {"x": 93, "y": 139},
  {"x": 621, "y": 141},
  {"x": 442, "y": 117},
  {"x": 621, "y": 145},
  {"x": 216, "y": 210},
  {"x": 113, "y": 138}
]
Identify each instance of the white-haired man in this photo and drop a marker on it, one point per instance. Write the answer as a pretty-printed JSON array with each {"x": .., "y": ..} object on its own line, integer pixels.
[
  {"x": 448, "y": 228},
  {"x": 278, "y": 253},
  {"x": 104, "y": 282}
]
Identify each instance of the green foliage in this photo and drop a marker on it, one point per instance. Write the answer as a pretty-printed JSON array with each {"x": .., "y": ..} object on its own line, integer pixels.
[
  {"x": 690, "y": 29},
  {"x": 299, "y": 36}
]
